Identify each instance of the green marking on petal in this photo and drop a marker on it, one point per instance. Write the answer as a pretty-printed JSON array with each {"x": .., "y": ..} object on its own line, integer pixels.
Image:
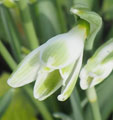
[
  {"x": 26, "y": 70},
  {"x": 46, "y": 84},
  {"x": 66, "y": 71}
]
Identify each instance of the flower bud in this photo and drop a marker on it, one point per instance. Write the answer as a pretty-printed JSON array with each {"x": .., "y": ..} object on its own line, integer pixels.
[{"x": 98, "y": 67}]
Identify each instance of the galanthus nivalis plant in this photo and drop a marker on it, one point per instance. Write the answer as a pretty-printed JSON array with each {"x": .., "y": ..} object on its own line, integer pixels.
[
  {"x": 57, "y": 62},
  {"x": 54, "y": 64},
  {"x": 98, "y": 67}
]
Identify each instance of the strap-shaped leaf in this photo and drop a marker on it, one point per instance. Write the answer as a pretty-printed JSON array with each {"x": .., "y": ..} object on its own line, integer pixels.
[
  {"x": 61, "y": 116},
  {"x": 5, "y": 101},
  {"x": 92, "y": 18}
]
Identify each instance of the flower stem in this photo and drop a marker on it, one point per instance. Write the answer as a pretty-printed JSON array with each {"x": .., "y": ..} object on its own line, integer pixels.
[
  {"x": 41, "y": 107},
  {"x": 92, "y": 97},
  {"x": 28, "y": 24},
  {"x": 6, "y": 55},
  {"x": 61, "y": 16},
  {"x": 76, "y": 106}
]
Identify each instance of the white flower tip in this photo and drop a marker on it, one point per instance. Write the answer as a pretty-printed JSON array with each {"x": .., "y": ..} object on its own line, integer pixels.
[
  {"x": 73, "y": 10},
  {"x": 37, "y": 96},
  {"x": 11, "y": 84},
  {"x": 83, "y": 85},
  {"x": 83, "y": 79},
  {"x": 61, "y": 97}
]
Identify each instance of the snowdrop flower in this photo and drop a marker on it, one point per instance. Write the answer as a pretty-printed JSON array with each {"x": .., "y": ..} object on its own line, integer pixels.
[
  {"x": 54, "y": 64},
  {"x": 98, "y": 67}
]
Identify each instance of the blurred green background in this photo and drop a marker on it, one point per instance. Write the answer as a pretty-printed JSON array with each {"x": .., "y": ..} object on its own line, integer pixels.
[{"x": 26, "y": 24}]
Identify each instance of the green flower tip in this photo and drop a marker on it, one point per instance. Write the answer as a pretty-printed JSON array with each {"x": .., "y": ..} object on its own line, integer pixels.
[{"x": 53, "y": 65}]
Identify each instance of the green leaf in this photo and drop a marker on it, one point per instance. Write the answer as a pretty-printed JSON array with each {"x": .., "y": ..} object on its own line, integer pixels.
[
  {"x": 5, "y": 93},
  {"x": 5, "y": 101},
  {"x": 76, "y": 106},
  {"x": 92, "y": 18},
  {"x": 3, "y": 84},
  {"x": 47, "y": 19},
  {"x": 19, "y": 108},
  {"x": 107, "y": 9}
]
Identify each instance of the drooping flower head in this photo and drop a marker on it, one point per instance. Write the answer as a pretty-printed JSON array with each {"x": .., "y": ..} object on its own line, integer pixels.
[
  {"x": 57, "y": 62},
  {"x": 54, "y": 64}
]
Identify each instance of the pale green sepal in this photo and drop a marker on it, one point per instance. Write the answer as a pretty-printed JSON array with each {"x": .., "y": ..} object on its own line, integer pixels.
[
  {"x": 71, "y": 81},
  {"x": 60, "y": 50},
  {"x": 47, "y": 83},
  {"x": 93, "y": 19},
  {"x": 26, "y": 71}
]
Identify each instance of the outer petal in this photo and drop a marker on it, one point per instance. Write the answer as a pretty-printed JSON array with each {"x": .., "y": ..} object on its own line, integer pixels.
[
  {"x": 71, "y": 81},
  {"x": 89, "y": 79},
  {"x": 46, "y": 84},
  {"x": 61, "y": 50},
  {"x": 26, "y": 70}
]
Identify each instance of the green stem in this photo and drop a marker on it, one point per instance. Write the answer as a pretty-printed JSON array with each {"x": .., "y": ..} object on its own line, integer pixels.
[
  {"x": 6, "y": 55},
  {"x": 61, "y": 16},
  {"x": 92, "y": 97},
  {"x": 11, "y": 32},
  {"x": 87, "y": 3},
  {"x": 76, "y": 106},
  {"x": 28, "y": 24},
  {"x": 40, "y": 105}
]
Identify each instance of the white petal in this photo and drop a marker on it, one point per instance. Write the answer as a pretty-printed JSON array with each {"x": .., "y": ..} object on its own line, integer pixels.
[
  {"x": 46, "y": 84},
  {"x": 70, "y": 83},
  {"x": 62, "y": 49},
  {"x": 103, "y": 51},
  {"x": 26, "y": 70}
]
